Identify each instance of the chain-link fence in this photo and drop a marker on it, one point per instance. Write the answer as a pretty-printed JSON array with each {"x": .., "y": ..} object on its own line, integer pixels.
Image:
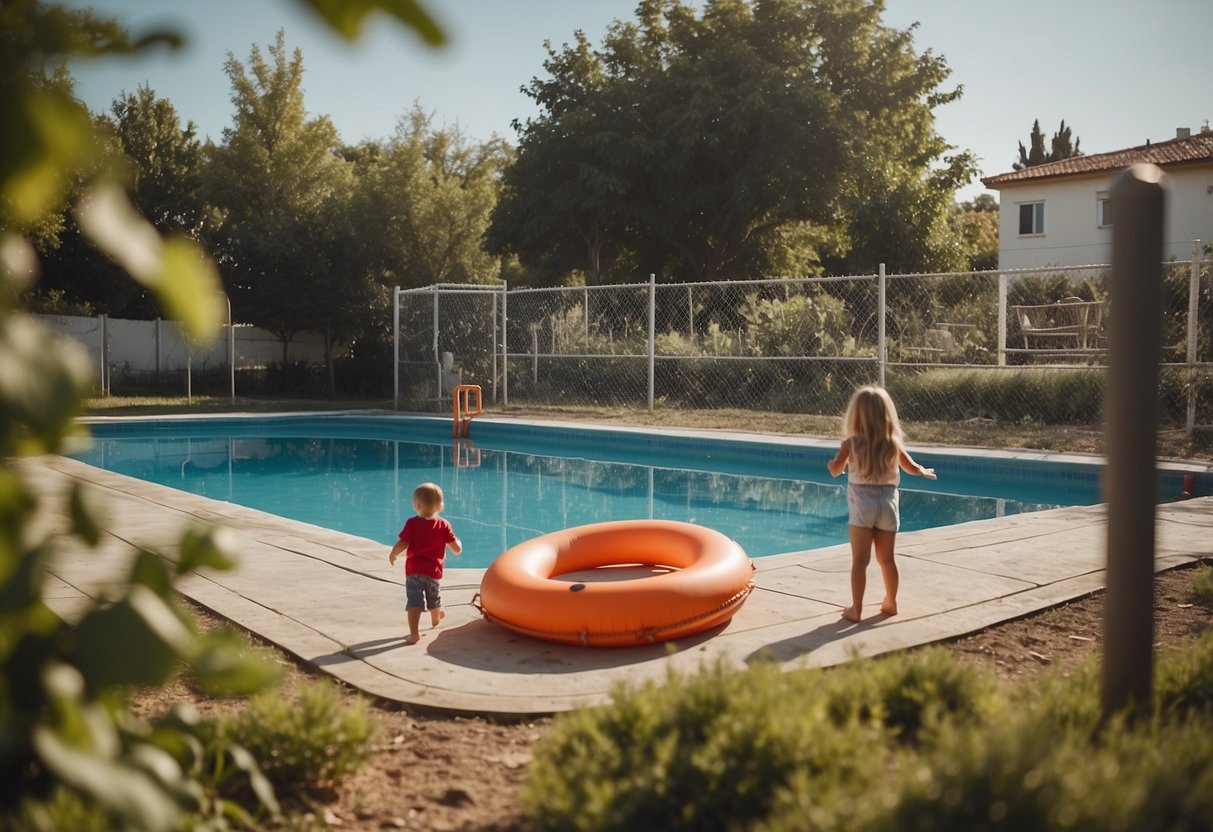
[
  {"x": 1022, "y": 346},
  {"x": 461, "y": 321}
]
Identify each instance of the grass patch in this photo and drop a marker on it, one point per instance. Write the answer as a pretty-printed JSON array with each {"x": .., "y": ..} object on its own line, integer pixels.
[{"x": 165, "y": 405}]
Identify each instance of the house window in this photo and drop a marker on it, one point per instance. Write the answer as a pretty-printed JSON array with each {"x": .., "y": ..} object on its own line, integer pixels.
[
  {"x": 1103, "y": 211},
  {"x": 1032, "y": 218}
]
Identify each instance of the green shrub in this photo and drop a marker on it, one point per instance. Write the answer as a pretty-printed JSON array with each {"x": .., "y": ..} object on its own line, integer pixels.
[
  {"x": 1048, "y": 396},
  {"x": 906, "y": 742},
  {"x": 294, "y": 378},
  {"x": 969, "y": 779},
  {"x": 1156, "y": 778},
  {"x": 720, "y": 749},
  {"x": 310, "y": 740},
  {"x": 1183, "y": 688},
  {"x": 1202, "y": 584},
  {"x": 697, "y": 752},
  {"x": 908, "y": 693},
  {"x": 1173, "y": 387},
  {"x": 1064, "y": 703},
  {"x": 1183, "y": 680},
  {"x": 799, "y": 325},
  {"x": 63, "y": 810},
  {"x": 1018, "y": 774}
]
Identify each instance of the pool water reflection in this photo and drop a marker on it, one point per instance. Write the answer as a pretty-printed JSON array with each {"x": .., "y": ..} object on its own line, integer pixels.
[{"x": 497, "y": 497}]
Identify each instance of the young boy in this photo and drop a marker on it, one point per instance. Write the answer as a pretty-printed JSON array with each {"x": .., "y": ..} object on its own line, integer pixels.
[{"x": 425, "y": 539}]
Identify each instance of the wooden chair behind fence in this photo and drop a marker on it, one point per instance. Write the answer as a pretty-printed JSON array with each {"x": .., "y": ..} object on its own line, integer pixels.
[{"x": 1069, "y": 325}]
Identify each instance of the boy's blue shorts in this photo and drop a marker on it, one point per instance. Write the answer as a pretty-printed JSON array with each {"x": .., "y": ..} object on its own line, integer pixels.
[{"x": 421, "y": 593}]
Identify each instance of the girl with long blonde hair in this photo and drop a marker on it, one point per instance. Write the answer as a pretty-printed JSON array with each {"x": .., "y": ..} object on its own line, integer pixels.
[{"x": 873, "y": 456}]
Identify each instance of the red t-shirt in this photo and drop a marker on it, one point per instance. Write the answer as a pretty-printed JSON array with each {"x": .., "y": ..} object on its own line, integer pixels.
[{"x": 426, "y": 539}]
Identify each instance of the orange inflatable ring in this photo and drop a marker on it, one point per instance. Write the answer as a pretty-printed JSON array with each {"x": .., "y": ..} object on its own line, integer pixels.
[{"x": 709, "y": 581}]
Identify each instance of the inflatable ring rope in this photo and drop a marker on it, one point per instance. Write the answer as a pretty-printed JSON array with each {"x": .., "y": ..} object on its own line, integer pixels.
[{"x": 648, "y": 634}]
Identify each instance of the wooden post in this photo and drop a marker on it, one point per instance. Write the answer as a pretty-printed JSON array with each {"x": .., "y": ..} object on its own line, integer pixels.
[{"x": 1132, "y": 435}]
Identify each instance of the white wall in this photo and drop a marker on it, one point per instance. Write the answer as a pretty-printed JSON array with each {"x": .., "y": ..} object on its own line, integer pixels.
[
  {"x": 148, "y": 346},
  {"x": 1072, "y": 234}
]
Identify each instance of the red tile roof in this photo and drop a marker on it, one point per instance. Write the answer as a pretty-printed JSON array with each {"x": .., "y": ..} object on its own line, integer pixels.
[{"x": 1197, "y": 148}]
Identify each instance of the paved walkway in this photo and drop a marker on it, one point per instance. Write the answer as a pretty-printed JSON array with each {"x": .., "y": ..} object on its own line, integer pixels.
[{"x": 332, "y": 600}]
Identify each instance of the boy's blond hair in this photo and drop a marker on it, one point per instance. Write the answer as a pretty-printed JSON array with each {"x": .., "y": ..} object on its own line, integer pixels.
[
  {"x": 872, "y": 426},
  {"x": 427, "y": 499}
]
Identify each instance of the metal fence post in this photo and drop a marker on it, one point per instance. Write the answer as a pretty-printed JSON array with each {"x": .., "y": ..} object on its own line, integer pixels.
[
  {"x": 881, "y": 357},
  {"x": 105, "y": 356},
  {"x": 690, "y": 316},
  {"x": 437, "y": 354},
  {"x": 1193, "y": 311},
  {"x": 395, "y": 347},
  {"x": 505, "y": 355},
  {"x": 1002, "y": 319},
  {"x": 652, "y": 334},
  {"x": 1132, "y": 434},
  {"x": 493, "y": 358},
  {"x": 231, "y": 348}
]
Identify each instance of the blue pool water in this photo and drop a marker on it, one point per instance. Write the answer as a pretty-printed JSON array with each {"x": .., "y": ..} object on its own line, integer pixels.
[{"x": 515, "y": 481}]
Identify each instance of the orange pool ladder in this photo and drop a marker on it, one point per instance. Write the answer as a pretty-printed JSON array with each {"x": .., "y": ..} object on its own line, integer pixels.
[
  {"x": 467, "y": 455},
  {"x": 463, "y": 408}
]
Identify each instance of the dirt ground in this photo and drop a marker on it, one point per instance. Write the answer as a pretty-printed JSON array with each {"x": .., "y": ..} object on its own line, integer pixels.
[{"x": 435, "y": 772}]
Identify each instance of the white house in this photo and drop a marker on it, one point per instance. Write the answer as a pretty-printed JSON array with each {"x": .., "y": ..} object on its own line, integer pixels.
[{"x": 1059, "y": 213}]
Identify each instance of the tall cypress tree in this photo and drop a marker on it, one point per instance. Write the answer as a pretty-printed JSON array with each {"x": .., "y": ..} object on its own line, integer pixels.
[{"x": 1061, "y": 147}]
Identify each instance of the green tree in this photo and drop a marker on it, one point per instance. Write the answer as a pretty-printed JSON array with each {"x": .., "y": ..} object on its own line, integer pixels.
[
  {"x": 432, "y": 192},
  {"x": 1062, "y": 146},
  {"x": 71, "y": 265},
  {"x": 145, "y": 146},
  {"x": 748, "y": 136},
  {"x": 283, "y": 191},
  {"x": 899, "y": 194},
  {"x": 165, "y": 161},
  {"x": 562, "y": 205},
  {"x": 978, "y": 224}
]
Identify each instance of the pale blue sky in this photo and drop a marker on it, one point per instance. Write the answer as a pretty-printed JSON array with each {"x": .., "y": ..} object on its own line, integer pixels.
[{"x": 1118, "y": 71}]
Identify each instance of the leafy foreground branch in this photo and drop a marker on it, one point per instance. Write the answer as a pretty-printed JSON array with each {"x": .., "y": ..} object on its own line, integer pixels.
[
  {"x": 913, "y": 741},
  {"x": 73, "y": 755}
]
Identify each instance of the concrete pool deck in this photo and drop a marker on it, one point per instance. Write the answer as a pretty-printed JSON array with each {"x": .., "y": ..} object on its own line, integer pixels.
[{"x": 332, "y": 600}]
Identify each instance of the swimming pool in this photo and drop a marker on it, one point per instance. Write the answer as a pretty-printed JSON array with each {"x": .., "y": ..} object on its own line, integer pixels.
[{"x": 515, "y": 480}]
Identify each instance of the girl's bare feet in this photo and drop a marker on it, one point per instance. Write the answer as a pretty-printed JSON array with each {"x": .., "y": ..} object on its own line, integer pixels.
[
  {"x": 888, "y": 606},
  {"x": 412, "y": 638},
  {"x": 851, "y": 614},
  {"x": 436, "y": 617}
]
